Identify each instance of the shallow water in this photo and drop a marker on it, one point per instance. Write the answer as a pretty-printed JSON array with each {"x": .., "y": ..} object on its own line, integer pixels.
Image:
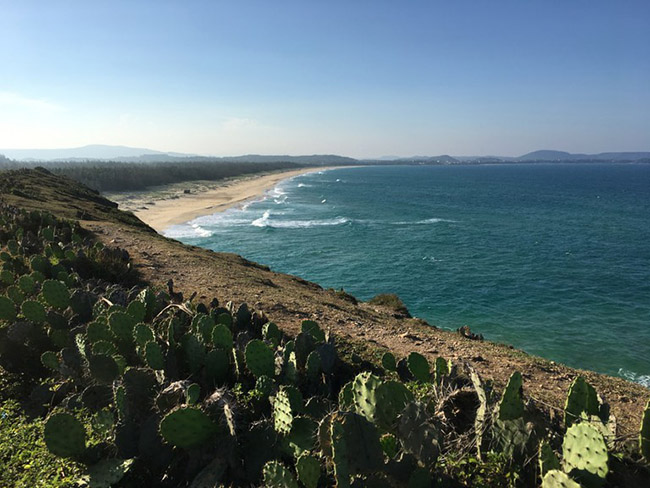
[{"x": 554, "y": 259}]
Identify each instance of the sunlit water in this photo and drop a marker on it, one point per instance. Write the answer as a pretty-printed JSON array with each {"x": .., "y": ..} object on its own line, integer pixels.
[{"x": 554, "y": 259}]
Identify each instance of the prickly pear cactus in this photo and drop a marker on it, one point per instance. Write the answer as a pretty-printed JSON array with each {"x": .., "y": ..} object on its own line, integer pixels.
[
  {"x": 271, "y": 333},
  {"x": 644, "y": 434},
  {"x": 389, "y": 445},
  {"x": 108, "y": 472},
  {"x": 277, "y": 476},
  {"x": 480, "y": 422},
  {"x": 122, "y": 325},
  {"x": 283, "y": 412},
  {"x": 442, "y": 369},
  {"x": 34, "y": 311},
  {"x": 364, "y": 391},
  {"x": 346, "y": 397},
  {"x": 355, "y": 446},
  {"x": 217, "y": 365},
  {"x": 259, "y": 359},
  {"x": 313, "y": 329},
  {"x": 582, "y": 398},
  {"x": 419, "y": 367},
  {"x": 7, "y": 309},
  {"x": 547, "y": 459},
  {"x": 56, "y": 294},
  {"x": 154, "y": 356},
  {"x": 103, "y": 367},
  {"x": 222, "y": 337},
  {"x": 313, "y": 366},
  {"x": 511, "y": 406},
  {"x": 142, "y": 334},
  {"x": 418, "y": 435},
  {"x": 308, "y": 469},
  {"x": 50, "y": 360},
  {"x": 65, "y": 436},
  {"x": 557, "y": 479},
  {"x": 187, "y": 427},
  {"x": 585, "y": 455},
  {"x": 392, "y": 397},
  {"x": 388, "y": 362},
  {"x": 302, "y": 437},
  {"x": 192, "y": 394}
]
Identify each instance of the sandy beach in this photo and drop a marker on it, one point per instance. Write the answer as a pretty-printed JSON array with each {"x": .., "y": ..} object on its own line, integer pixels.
[{"x": 163, "y": 207}]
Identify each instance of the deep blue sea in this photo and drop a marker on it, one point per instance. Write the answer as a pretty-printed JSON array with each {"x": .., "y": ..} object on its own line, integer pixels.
[{"x": 553, "y": 259}]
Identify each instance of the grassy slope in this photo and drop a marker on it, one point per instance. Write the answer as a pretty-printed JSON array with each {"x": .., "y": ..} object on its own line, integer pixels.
[{"x": 365, "y": 329}]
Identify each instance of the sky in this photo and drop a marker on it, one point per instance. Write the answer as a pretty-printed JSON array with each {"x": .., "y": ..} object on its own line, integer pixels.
[{"x": 362, "y": 78}]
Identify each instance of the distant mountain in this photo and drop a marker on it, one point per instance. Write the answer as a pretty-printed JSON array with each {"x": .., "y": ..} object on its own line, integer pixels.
[
  {"x": 548, "y": 155},
  {"x": 101, "y": 152},
  {"x": 94, "y": 151}
]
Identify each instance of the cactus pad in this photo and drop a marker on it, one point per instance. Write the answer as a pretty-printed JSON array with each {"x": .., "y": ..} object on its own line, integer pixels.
[
  {"x": 142, "y": 334},
  {"x": 313, "y": 365},
  {"x": 582, "y": 398},
  {"x": 418, "y": 435},
  {"x": 282, "y": 412},
  {"x": 271, "y": 333},
  {"x": 442, "y": 369},
  {"x": 585, "y": 454},
  {"x": 313, "y": 329},
  {"x": 34, "y": 311},
  {"x": 65, "y": 436},
  {"x": 547, "y": 459},
  {"x": 103, "y": 368},
  {"x": 419, "y": 367},
  {"x": 388, "y": 362},
  {"x": 277, "y": 476},
  {"x": 308, "y": 469},
  {"x": 187, "y": 427},
  {"x": 644, "y": 433},
  {"x": 137, "y": 310},
  {"x": 108, "y": 472},
  {"x": 50, "y": 360},
  {"x": 302, "y": 436},
  {"x": 98, "y": 331},
  {"x": 56, "y": 294},
  {"x": 389, "y": 445},
  {"x": 217, "y": 365},
  {"x": 558, "y": 479},
  {"x": 7, "y": 309},
  {"x": 355, "y": 445},
  {"x": 122, "y": 325},
  {"x": 222, "y": 337},
  {"x": 259, "y": 359},
  {"x": 154, "y": 356},
  {"x": 193, "y": 393},
  {"x": 511, "y": 406}
]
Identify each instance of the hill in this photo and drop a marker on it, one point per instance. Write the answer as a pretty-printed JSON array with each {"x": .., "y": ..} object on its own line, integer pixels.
[
  {"x": 562, "y": 156},
  {"x": 362, "y": 333}
]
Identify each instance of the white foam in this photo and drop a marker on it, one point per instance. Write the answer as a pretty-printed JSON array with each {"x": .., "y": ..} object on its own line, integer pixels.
[
  {"x": 433, "y": 220},
  {"x": 265, "y": 221},
  {"x": 186, "y": 230},
  {"x": 642, "y": 379}
]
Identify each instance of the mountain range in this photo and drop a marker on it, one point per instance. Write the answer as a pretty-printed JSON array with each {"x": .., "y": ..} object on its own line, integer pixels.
[{"x": 99, "y": 152}]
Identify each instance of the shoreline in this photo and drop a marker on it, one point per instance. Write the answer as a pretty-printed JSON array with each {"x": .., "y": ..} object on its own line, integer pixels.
[{"x": 167, "y": 206}]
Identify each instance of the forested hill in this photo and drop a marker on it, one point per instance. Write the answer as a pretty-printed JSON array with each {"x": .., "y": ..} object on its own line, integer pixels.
[{"x": 106, "y": 176}]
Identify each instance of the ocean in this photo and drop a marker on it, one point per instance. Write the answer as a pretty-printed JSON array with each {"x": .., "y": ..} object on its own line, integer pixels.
[{"x": 553, "y": 259}]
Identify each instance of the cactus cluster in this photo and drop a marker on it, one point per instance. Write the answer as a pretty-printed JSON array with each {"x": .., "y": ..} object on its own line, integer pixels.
[{"x": 223, "y": 388}]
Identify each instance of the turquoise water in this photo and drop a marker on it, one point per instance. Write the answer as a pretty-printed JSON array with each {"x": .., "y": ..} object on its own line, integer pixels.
[{"x": 554, "y": 259}]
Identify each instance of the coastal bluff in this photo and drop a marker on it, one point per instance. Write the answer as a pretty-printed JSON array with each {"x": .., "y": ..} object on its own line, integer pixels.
[{"x": 366, "y": 330}]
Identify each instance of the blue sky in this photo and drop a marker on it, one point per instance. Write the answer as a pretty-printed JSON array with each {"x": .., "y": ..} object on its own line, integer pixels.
[{"x": 360, "y": 78}]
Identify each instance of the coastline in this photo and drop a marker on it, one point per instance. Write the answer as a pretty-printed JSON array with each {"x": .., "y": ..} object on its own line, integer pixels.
[{"x": 164, "y": 207}]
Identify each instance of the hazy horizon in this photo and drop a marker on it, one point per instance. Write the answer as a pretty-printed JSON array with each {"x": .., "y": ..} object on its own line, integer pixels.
[{"x": 363, "y": 79}]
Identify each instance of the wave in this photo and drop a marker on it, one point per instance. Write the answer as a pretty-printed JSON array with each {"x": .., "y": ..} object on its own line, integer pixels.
[
  {"x": 186, "y": 231},
  {"x": 433, "y": 220},
  {"x": 642, "y": 379},
  {"x": 265, "y": 221}
]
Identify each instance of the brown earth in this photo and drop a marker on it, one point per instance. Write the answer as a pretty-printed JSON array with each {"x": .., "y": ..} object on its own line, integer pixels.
[{"x": 287, "y": 300}]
